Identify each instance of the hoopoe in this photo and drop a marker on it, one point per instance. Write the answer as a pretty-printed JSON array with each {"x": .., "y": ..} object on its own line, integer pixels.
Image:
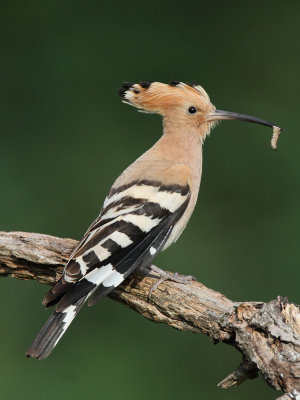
[{"x": 147, "y": 208}]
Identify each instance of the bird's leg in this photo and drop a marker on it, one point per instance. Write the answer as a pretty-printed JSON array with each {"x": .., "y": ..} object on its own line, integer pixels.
[{"x": 163, "y": 276}]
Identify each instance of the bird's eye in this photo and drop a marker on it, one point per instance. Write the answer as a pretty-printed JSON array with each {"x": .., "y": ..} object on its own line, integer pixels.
[{"x": 192, "y": 110}]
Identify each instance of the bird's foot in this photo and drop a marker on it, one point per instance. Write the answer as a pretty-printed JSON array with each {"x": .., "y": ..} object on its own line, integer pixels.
[{"x": 163, "y": 276}]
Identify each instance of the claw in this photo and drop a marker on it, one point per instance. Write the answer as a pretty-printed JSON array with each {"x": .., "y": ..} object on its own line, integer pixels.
[{"x": 167, "y": 276}]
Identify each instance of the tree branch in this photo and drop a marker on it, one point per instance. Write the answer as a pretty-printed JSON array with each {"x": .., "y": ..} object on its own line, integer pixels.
[{"x": 267, "y": 334}]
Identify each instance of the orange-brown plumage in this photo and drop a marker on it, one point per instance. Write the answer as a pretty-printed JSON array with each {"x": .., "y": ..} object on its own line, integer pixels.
[{"x": 172, "y": 102}]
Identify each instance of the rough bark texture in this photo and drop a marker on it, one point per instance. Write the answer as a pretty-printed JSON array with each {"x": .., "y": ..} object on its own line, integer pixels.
[{"x": 266, "y": 334}]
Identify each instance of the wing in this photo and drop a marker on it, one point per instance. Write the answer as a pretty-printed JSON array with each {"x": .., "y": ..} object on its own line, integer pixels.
[{"x": 133, "y": 226}]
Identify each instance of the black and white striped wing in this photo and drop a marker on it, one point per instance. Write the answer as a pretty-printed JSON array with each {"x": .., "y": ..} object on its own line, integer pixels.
[
  {"x": 133, "y": 226},
  {"x": 136, "y": 222}
]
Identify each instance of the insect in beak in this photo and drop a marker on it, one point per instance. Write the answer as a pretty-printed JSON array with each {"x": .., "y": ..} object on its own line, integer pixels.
[{"x": 222, "y": 115}]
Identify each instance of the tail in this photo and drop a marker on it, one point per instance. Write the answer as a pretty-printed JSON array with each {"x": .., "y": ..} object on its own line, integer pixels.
[{"x": 53, "y": 330}]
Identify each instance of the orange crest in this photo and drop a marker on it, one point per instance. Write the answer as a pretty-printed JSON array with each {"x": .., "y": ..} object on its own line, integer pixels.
[{"x": 161, "y": 98}]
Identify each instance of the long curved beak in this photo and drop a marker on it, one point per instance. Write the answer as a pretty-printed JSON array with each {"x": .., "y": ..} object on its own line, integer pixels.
[{"x": 223, "y": 115}]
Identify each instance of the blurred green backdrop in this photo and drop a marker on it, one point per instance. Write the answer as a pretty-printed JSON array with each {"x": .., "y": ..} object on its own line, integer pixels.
[{"x": 65, "y": 136}]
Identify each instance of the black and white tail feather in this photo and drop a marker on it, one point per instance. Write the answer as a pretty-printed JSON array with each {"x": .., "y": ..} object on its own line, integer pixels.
[
  {"x": 53, "y": 330},
  {"x": 135, "y": 223}
]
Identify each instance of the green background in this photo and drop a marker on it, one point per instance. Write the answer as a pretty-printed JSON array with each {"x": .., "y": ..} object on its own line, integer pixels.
[{"x": 65, "y": 137}]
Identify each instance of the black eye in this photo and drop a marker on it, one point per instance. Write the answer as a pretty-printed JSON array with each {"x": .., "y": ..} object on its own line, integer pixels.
[{"x": 192, "y": 110}]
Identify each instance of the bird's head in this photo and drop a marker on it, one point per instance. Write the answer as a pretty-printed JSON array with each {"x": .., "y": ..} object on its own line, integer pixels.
[
  {"x": 177, "y": 102},
  {"x": 181, "y": 105}
]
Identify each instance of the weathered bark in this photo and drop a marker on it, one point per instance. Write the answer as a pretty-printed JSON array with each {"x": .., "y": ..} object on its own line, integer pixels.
[{"x": 266, "y": 334}]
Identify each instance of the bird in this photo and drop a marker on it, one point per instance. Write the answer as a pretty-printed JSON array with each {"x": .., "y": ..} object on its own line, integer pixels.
[{"x": 147, "y": 207}]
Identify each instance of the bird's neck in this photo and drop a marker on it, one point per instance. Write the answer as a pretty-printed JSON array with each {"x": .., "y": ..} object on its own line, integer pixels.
[
  {"x": 180, "y": 144},
  {"x": 175, "y": 158}
]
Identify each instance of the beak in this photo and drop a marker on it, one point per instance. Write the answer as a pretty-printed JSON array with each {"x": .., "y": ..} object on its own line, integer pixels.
[{"x": 222, "y": 115}]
